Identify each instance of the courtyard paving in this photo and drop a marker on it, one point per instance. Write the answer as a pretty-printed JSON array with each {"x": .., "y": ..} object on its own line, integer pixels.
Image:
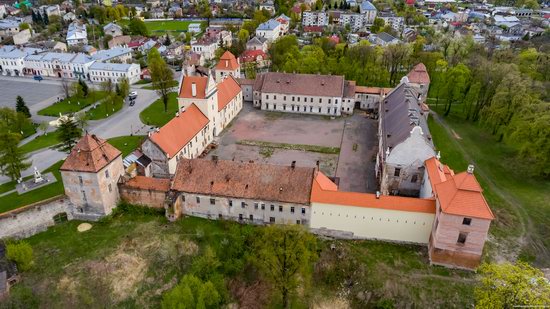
[{"x": 353, "y": 165}]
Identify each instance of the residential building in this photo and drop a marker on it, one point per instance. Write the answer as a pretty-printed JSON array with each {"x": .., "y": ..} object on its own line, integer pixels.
[
  {"x": 384, "y": 39},
  {"x": 51, "y": 10},
  {"x": 113, "y": 30},
  {"x": 8, "y": 28},
  {"x": 369, "y": 98},
  {"x": 257, "y": 43},
  {"x": 22, "y": 37},
  {"x": 356, "y": 21},
  {"x": 369, "y": 11},
  {"x": 116, "y": 54},
  {"x": 69, "y": 17},
  {"x": 77, "y": 34},
  {"x": 268, "y": 6},
  {"x": 90, "y": 175},
  {"x": 420, "y": 79},
  {"x": 12, "y": 59},
  {"x": 270, "y": 30},
  {"x": 396, "y": 22},
  {"x": 258, "y": 58},
  {"x": 100, "y": 71},
  {"x": 210, "y": 42},
  {"x": 228, "y": 65},
  {"x": 61, "y": 65}
]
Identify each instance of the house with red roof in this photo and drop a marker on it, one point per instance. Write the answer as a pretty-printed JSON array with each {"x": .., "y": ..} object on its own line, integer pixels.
[
  {"x": 258, "y": 57},
  {"x": 420, "y": 78},
  {"x": 228, "y": 65}
]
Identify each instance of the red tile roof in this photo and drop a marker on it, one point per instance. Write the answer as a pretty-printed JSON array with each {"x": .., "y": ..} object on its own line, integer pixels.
[
  {"x": 419, "y": 74},
  {"x": 458, "y": 194},
  {"x": 372, "y": 90},
  {"x": 90, "y": 154},
  {"x": 174, "y": 135},
  {"x": 149, "y": 183},
  {"x": 200, "y": 81},
  {"x": 313, "y": 29},
  {"x": 227, "y": 62},
  {"x": 251, "y": 55},
  {"x": 324, "y": 192},
  {"x": 228, "y": 89}
]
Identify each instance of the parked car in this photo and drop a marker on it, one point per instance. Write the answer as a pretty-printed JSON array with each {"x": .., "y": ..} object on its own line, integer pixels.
[
  {"x": 38, "y": 78},
  {"x": 132, "y": 95}
]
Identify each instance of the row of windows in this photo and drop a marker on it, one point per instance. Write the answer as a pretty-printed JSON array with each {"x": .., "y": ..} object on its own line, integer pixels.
[
  {"x": 296, "y": 108},
  {"x": 251, "y": 218},
  {"x": 297, "y": 99},
  {"x": 257, "y": 205}
]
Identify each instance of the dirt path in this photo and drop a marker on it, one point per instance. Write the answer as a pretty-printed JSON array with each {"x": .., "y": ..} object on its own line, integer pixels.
[{"x": 528, "y": 232}]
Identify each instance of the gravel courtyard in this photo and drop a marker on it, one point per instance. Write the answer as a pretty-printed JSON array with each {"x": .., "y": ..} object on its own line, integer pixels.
[{"x": 272, "y": 132}]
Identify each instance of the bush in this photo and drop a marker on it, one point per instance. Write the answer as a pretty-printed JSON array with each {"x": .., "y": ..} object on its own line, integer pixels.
[
  {"x": 126, "y": 208},
  {"x": 21, "y": 254}
]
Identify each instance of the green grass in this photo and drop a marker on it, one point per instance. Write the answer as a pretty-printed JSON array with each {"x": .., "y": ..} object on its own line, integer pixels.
[
  {"x": 126, "y": 144},
  {"x": 41, "y": 141},
  {"x": 105, "y": 109},
  {"x": 160, "y": 27},
  {"x": 150, "y": 87},
  {"x": 143, "y": 82},
  {"x": 521, "y": 199},
  {"x": 300, "y": 147},
  {"x": 64, "y": 107},
  {"x": 14, "y": 200},
  {"x": 155, "y": 115}
]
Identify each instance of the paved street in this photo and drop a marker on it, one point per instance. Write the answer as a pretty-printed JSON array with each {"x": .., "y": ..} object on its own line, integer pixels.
[{"x": 124, "y": 122}]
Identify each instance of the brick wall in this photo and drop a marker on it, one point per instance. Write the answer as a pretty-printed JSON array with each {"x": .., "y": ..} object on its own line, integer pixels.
[{"x": 151, "y": 198}]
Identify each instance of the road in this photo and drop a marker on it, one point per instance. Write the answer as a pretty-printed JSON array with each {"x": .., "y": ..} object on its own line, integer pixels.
[{"x": 124, "y": 122}]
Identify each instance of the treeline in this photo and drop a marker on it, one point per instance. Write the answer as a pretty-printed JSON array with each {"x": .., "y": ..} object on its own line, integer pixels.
[{"x": 506, "y": 90}]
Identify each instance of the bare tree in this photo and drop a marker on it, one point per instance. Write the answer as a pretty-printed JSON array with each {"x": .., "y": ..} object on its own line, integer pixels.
[{"x": 65, "y": 86}]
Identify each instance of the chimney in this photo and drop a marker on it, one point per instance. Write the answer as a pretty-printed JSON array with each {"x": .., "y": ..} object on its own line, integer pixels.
[
  {"x": 378, "y": 194},
  {"x": 293, "y": 164},
  {"x": 470, "y": 169},
  {"x": 193, "y": 89}
]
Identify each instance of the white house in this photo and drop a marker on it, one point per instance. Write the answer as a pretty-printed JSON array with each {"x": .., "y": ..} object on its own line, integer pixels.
[
  {"x": 271, "y": 30},
  {"x": 310, "y": 18},
  {"x": 77, "y": 34},
  {"x": 113, "y": 30},
  {"x": 369, "y": 11},
  {"x": 100, "y": 72}
]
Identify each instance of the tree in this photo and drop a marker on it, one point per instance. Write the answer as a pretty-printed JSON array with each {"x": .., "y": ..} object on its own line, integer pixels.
[
  {"x": 12, "y": 159},
  {"x": 377, "y": 25},
  {"x": 138, "y": 27},
  {"x": 69, "y": 133},
  {"x": 21, "y": 107},
  {"x": 167, "y": 41},
  {"x": 511, "y": 285},
  {"x": 162, "y": 78},
  {"x": 21, "y": 253},
  {"x": 43, "y": 126},
  {"x": 456, "y": 83},
  {"x": 65, "y": 87},
  {"x": 84, "y": 87},
  {"x": 24, "y": 26},
  {"x": 45, "y": 17},
  {"x": 283, "y": 253},
  {"x": 123, "y": 87},
  {"x": 191, "y": 292},
  {"x": 243, "y": 35},
  {"x": 12, "y": 121}
]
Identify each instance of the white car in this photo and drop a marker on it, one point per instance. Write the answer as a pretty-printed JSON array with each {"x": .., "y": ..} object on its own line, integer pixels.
[{"x": 132, "y": 95}]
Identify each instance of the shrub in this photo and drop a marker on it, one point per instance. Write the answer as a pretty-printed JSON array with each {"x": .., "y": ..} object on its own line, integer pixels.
[{"x": 21, "y": 254}]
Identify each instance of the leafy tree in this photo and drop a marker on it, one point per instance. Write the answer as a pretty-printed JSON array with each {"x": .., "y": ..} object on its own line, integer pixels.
[
  {"x": 106, "y": 40},
  {"x": 456, "y": 82},
  {"x": 12, "y": 159},
  {"x": 84, "y": 87},
  {"x": 206, "y": 265},
  {"x": 377, "y": 25},
  {"x": 243, "y": 35},
  {"x": 138, "y": 27},
  {"x": 69, "y": 133},
  {"x": 124, "y": 87},
  {"x": 167, "y": 41},
  {"x": 21, "y": 107},
  {"x": 12, "y": 121},
  {"x": 21, "y": 253},
  {"x": 43, "y": 126},
  {"x": 283, "y": 255},
  {"x": 162, "y": 78},
  {"x": 45, "y": 17},
  {"x": 191, "y": 292},
  {"x": 511, "y": 285},
  {"x": 24, "y": 26}
]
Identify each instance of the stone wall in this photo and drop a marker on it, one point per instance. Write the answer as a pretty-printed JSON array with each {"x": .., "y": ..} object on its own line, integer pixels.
[
  {"x": 150, "y": 198},
  {"x": 29, "y": 220}
]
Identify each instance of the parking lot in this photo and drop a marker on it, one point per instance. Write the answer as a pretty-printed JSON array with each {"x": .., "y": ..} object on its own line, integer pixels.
[
  {"x": 33, "y": 92},
  {"x": 354, "y": 135}
]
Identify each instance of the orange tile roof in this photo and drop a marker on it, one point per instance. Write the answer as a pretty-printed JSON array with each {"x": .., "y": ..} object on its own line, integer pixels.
[
  {"x": 90, "y": 154},
  {"x": 322, "y": 192},
  {"x": 174, "y": 135},
  {"x": 200, "y": 81},
  {"x": 227, "y": 62},
  {"x": 373, "y": 90},
  {"x": 419, "y": 74},
  {"x": 227, "y": 90},
  {"x": 149, "y": 183},
  {"x": 458, "y": 194}
]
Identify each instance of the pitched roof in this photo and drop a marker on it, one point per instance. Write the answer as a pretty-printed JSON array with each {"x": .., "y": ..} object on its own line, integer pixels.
[
  {"x": 90, "y": 154},
  {"x": 174, "y": 135},
  {"x": 262, "y": 182},
  {"x": 301, "y": 84},
  {"x": 186, "y": 87},
  {"x": 419, "y": 74},
  {"x": 458, "y": 194},
  {"x": 227, "y": 62},
  {"x": 227, "y": 90},
  {"x": 250, "y": 55},
  {"x": 324, "y": 192},
  {"x": 373, "y": 90},
  {"x": 149, "y": 183}
]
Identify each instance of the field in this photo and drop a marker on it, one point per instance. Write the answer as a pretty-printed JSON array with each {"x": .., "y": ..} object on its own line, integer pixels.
[
  {"x": 126, "y": 144},
  {"x": 155, "y": 115},
  {"x": 105, "y": 109},
  {"x": 161, "y": 27},
  {"x": 521, "y": 202},
  {"x": 131, "y": 258},
  {"x": 71, "y": 104}
]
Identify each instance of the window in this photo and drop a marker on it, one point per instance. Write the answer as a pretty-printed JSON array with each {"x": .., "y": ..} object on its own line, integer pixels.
[
  {"x": 284, "y": 98},
  {"x": 240, "y": 217},
  {"x": 212, "y": 201},
  {"x": 251, "y": 217},
  {"x": 320, "y": 100},
  {"x": 219, "y": 216},
  {"x": 462, "y": 238},
  {"x": 414, "y": 178},
  {"x": 303, "y": 210},
  {"x": 106, "y": 173},
  {"x": 298, "y": 222},
  {"x": 84, "y": 196},
  {"x": 274, "y": 97},
  {"x": 110, "y": 188},
  {"x": 271, "y": 219},
  {"x": 80, "y": 179},
  {"x": 280, "y": 208},
  {"x": 467, "y": 221},
  {"x": 272, "y": 207},
  {"x": 397, "y": 172},
  {"x": 198, "y": 200},
  {"x": 243, "y": 204},
  {"x": 255, "y": 205},
  {"x": 292, "y": 209},
  {"x": 267, "y": 96},
  {"x": 230, "y": 203}
]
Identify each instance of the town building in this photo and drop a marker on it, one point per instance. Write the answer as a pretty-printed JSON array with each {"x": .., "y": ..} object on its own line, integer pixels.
[
  {"x": 315, "y": 18},
  {"x": 113, "y": 30},
  {"x": 12, "y": 59},
  {"x": 257, "y": 43},
  {"x": 77, "y": 34},
  {"x": 369, "y": 11},
  {"x": 271, "y": 30},
  {"x": 8, "y": 28},
  {"x": 22, "y": 37},
  {"x": 369, "y": 98},
  {"x": 115, "y": 54},
  {"x": 100, "y": 72},
  {"x": 90, "y": 175},
  {"x": 384, "y": 39},
  {"x": 61, "y": 65},
  {"x": 228, "y": 65}
]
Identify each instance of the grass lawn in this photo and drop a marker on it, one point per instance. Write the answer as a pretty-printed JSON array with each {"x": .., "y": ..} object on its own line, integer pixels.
[
  {"x": 41, "y": 141},
  {"x": 130, "y": 259},
  {"x": 155, "y": 115},
  {"x": 520, "y": 202},
  {"x": 14, "y": 200},
  {"x": 161, "y": 26},
  {"x": 143, "y": 82},
  {"x": 64, "y": 107},
  {"x": 126, "y": 144},
  {"x": 105, "y": 109},
  {"x": 312, "y": 148}
]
